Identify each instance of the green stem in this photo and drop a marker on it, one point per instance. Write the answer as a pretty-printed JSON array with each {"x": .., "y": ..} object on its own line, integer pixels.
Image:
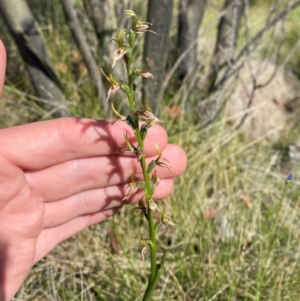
[
  {"x": 150, "y": 219},
  {"x": 155, "y": 269},
  {"x": 151, "y": 226},
  {"x": 152, "y": 236},
  {"x": 152, "y": 285}
]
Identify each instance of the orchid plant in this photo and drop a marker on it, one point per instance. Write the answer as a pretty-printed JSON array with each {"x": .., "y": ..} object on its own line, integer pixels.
[{"x": 152, "y": 210}]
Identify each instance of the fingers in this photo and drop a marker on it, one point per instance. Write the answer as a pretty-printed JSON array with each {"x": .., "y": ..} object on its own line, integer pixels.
[
  {"x": 88, "y": 202},
  {"x": 75, "y": 176},
  {"x": 42, "y": 144},
  {"x": 51, "y": 237},
  {"x": 2, "y": 66}
]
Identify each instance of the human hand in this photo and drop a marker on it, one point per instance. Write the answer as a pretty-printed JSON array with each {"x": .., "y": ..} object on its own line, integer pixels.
[{"x": 59, "y": 177}]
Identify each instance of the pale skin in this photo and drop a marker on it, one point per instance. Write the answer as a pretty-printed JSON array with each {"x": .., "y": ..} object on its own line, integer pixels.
[{"x": 59, "y": 177}]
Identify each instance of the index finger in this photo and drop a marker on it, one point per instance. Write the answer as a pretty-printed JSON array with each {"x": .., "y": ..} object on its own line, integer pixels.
[{"x": 38, "y": 145}]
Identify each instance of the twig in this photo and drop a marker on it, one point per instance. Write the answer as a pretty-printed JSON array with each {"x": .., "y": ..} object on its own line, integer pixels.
[
  {"x": 254, "y": 40},
  {"x": 33, "y": 51},
  {"x": 255, "y": 85},
  {"x": 183, "y": 55}
]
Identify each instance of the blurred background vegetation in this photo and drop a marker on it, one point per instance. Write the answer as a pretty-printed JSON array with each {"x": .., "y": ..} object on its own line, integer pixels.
[{"x": 227, "y": 86}]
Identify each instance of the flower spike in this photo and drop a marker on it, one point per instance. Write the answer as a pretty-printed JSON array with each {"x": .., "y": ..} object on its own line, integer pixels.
[{"x": 150, "y": 209}]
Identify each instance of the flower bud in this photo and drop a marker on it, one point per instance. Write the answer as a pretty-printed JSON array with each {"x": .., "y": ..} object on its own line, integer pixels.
[
  {"x": 130, "y": 122},
  {"x": 125, "y": 88},
  {"x": 131, "y": 37},
  {"x": 151, "y": 166},
  {"x": 133, "y": 75},
  {"x": 144, "y": 131}
]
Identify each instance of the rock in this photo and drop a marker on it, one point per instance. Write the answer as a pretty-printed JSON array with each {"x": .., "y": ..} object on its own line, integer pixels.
[{"x": 271, "y": 109}]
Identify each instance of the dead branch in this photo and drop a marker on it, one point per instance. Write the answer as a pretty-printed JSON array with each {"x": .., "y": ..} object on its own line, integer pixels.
[
  {"x": 228, "y": 30},
  {"x": 45, "y": 81},
  {"x": 80, "y": 39},
  {"x": 191, "y": 13},
  {"x": 156, "y": 50},
  {"x": 253, "y": 41}
]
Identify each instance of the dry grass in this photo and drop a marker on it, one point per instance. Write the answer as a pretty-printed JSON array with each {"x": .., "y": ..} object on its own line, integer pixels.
[{"x": 231, "y": 240}]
